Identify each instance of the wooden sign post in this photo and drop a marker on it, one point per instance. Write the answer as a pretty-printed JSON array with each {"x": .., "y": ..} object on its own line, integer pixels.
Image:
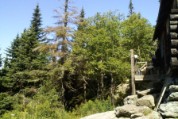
[{"x": 132, "y": 72}]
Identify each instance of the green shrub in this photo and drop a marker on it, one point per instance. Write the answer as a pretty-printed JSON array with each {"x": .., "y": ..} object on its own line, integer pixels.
[
  {"x": 6, "y": 102},
  {"x": 44, "y": 105},
  {"x": 92, "y": 107}
]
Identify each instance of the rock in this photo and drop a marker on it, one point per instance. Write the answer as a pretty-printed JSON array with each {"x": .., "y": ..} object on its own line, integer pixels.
[
  {"x": 154, "y": 115},
  {"x": 147, "y": 100},
  {"x": 145, "y": 110},
  {"x": 145, "y": 92},
  {"x": 141, "y": 118},
  {"x": 173, "y": 88},
  {"x": 132, "y": 99},
  {"x": 104, "y": 115},
  {"x": 169, "y": 109},
  {"x": 136, "y": 115},
  {"x": 128, "y": 110},
  {"x": 123, "y": 118},
  {"x": 173, "y": 96}
]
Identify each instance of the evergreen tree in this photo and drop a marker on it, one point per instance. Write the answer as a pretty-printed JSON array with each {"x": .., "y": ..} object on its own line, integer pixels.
[
  {"x": 131, "y": 8},
  {"x": 60, "y": 47},
  {"x": 26, "y": 65},
  {"x": 37, "y": 22},
  {"x": 81, "y": 20}
]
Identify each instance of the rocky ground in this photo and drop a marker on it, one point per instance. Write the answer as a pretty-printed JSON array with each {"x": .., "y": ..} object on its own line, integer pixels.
[{"x": 143, "y": 108}]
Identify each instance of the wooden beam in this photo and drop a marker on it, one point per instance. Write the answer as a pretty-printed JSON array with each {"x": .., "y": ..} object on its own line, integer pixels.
[
  {"x": 166, "y": 84},
  {"x": 173, "y": 35},
  {"x": 174, "y": 61},
  {"x": 174, "y": 43},
  {"x": 174, "y": 16},
  {"x": 173, "y": 22},
  {"x": 174, "y": 52},
  {"x": 174, "y": 11},
  {"x": 173, "y": 27}
]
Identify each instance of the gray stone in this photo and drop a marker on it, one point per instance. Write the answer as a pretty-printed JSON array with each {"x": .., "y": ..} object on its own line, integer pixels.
[
  {"x": 147, "y": 100},
  {"x": 173, "y": 96},
  {"x": 128, "y": 110},
  {"x": 123, "y": 118},
  {"x": 136, "y": 115},
  {"x": 173, "y": 88},
  {"x": 169, "y": 109},
  {"x": 144, "y": 117},
  {"x": 154, "y": 115},
  {"x": 104, "y": 115},
  {"x": 145, "y": 92},
  {"x": 145, "y": 110},
  {"x": 131, "y": 99}
]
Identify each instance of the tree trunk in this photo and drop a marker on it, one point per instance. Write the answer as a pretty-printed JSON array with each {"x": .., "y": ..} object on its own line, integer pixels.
[
  {"x": 84, "y": 89},
  {"x": 102, "y": 86},
  {"x": 98, "y": 90},
  {"x": 62, "y": 87},
  {"x": 111, "y": 89}
]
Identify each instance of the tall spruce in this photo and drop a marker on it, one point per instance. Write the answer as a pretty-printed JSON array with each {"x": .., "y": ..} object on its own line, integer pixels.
[
  {"x": 36, "y": 22},
  {"x": 25, "y": 64},
  {"x": 131, "y": 8},
  {"x": 81, "y": 19},
  {"x": 60, "y": 46}
]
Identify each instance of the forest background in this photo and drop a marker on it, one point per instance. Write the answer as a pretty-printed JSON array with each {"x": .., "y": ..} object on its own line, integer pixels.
[{"x": 71, "y": 69}]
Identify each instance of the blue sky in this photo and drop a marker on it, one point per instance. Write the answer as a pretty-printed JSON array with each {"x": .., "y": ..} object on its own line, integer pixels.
[{"x": 16, "y": 14}]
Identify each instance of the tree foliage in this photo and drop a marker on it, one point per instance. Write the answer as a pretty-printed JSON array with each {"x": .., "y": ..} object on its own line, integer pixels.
[
  {"x": 137, "y": 34},
  {"x": 68, "y": 66}
]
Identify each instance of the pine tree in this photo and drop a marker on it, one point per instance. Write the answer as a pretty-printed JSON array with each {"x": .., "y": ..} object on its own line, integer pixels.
[
  {"x": 36, "y": 22},
  {"x": 131, "y": 8},
  {"x": 60, "y": 47},
  {"x": 81, "y": 19},
  {"x": 61, "y": 43},
  {"x": 26, "y": 65}
]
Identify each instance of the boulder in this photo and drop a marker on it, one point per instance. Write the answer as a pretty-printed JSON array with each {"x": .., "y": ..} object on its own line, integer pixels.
[
  {"x": 169, "y": 109},
  {"x": 132, "y": 99},
  {"x": 147, "y": 100},
  {"x": 173, "y": 88},
  {"x": 128, "y": 110},
  {"x": 145, "y": 92},
  {"x": 136, "y": 115},
  {"x": 144, "y": 117},
  {"x": 154, "y": 115},
  {"x": 123, "y": 118},
  {"x": 173, "y": 96},
  {"x": 104, "y": 115}
]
